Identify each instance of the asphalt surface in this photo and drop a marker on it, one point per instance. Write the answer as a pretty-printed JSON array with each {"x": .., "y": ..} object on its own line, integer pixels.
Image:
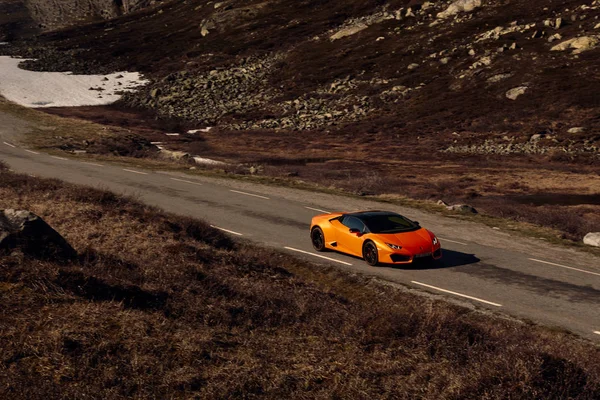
[{"x": 482, "y": 267}]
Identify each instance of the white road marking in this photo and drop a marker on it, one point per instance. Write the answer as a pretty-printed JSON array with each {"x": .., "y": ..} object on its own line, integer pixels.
[
  {"x": 60, "y": 158},
  {"x": 91, "y": 163},
  {"x": 184, "y": 181},
  {"x": 8, "y": 144},
  {"x": 227, "y": 230},
  {"x": 564, "y": 266},
  {"x": 452, "y": 241},
  {"x": 31, "y": 151},
  {"x": 249, "y": 194},
  {"x": 316, "y": 209},
  {"x": 457, "y": 294},
  {"x": 135, "y": 172},
  {"x": 317, "y": 255}
]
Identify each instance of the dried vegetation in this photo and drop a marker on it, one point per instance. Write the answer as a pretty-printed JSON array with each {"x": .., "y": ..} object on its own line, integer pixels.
[{"x": 160, "y": 306}]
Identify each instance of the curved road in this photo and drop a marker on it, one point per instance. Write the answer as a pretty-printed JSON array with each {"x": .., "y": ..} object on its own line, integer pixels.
[{"x": 482, "y": 266}]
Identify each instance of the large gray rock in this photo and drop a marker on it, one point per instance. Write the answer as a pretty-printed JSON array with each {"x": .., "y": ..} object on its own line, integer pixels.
[
  {"x": 25, "y": 231},
  {"x": 592, "y": 239}
]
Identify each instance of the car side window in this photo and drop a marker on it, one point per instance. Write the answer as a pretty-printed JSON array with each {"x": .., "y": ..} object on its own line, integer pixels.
[{"x": 354, "y": 223}]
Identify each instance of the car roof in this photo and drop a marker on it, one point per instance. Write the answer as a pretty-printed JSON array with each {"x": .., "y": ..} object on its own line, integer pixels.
[{"x": 372, "y": 213}]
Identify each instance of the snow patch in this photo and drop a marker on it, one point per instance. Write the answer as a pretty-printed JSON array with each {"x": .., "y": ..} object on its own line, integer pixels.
[
  {"x": 207, "y": 129},
  {"x": 207, "y": 161},
  {"x": 62, "y": 89}
]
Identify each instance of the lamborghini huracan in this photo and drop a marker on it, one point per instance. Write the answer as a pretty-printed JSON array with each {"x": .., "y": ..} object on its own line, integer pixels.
[{"x": 376, "y": 236}]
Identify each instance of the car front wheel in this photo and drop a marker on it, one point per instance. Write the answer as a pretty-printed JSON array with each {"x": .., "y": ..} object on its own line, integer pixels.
[
  {"x": 370, "y": 253},
  {"x": 318, "y": 239}
]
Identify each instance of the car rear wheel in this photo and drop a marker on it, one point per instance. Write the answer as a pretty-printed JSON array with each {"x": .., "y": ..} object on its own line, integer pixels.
[
  {"x": 370, "y": 253},
  {"x": 318, "y": 239}
]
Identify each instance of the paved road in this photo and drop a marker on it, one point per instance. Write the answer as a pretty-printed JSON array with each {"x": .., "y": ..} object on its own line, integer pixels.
[{"x": 482, "y": 266}]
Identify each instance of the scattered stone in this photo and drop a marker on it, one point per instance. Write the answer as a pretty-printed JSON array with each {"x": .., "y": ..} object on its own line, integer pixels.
[
  {"x": 537, "y": 34},
  {"x": 413, "y": 66},
  {"x": 206, "y": 26},
  {"x": 556, "y": 36},
  {"x": 558, "y": 23},
  {"x": 514, "y": 93},
  {"x": 471, "y": 52},
  {"x": 442, "y": 203},
  {"x": 23, "y": 230},
  {"x": 458, "y": 7},
  {"x": 445, "y": 60},
  {"x": 535, "y": 138},
  {"x": 592, "y": 239},
  {"x": 577, "y": 129}
]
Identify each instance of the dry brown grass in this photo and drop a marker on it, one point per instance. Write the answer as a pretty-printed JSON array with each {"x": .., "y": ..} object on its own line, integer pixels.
[{"x": 161, "y": 306}]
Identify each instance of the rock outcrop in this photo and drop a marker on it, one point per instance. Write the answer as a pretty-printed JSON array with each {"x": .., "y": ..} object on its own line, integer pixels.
[
  {"x": 25, "y": 231},
  {"x": 578, "y": 45},
  {"x": 53, "y": 14},
  {"x": 458, "y": 7}
]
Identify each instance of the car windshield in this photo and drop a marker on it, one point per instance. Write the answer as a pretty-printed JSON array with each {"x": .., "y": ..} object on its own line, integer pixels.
[{"x": 389, "y": 223}]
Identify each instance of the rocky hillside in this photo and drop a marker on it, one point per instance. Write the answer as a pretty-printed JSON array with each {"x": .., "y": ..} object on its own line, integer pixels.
[{"x": 510, "y": 76}]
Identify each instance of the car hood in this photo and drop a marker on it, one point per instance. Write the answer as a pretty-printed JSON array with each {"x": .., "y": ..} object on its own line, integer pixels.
[{"x": 416, "y": 241}]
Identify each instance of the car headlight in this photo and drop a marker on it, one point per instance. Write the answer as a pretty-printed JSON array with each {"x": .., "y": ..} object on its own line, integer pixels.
[
  {"x": 394, "y": 246},
  {"x": 435, "y": 241}
]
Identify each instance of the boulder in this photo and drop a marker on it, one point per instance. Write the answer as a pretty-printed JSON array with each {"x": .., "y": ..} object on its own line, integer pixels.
[
  {"x": 592, "y": 239},
  {"x": 578, "y": 45},
  {"x": 459, "y": 6},
  {"x": 23, "y": 230},
  {"x": 576, "y": 129},
  {"x": 513, "y": 93}
]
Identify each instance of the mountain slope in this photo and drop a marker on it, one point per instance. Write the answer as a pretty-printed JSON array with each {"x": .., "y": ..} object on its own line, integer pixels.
[{"x": 395, "y": 65}]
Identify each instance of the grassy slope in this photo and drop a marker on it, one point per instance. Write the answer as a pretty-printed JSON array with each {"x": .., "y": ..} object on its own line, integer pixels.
[{"x": 163, "y": 306}]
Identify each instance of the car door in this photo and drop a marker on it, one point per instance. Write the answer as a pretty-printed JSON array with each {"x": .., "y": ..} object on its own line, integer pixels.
[{"x": 348, "y": 242}]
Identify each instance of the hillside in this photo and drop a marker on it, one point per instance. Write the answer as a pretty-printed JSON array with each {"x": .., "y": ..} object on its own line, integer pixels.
[
  {"x": 493, "y": 103},
  {"x": 393, "y": 67},
  {"x": 160, "y": 306}
]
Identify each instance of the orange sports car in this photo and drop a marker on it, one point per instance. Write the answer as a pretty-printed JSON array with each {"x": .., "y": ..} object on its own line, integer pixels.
[{"x": 377, "y": 236}]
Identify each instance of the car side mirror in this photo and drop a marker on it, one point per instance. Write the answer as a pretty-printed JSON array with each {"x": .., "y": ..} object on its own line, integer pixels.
[
  {"x": 356, "y": 232},
  {"x": 417, "y": 223}
]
